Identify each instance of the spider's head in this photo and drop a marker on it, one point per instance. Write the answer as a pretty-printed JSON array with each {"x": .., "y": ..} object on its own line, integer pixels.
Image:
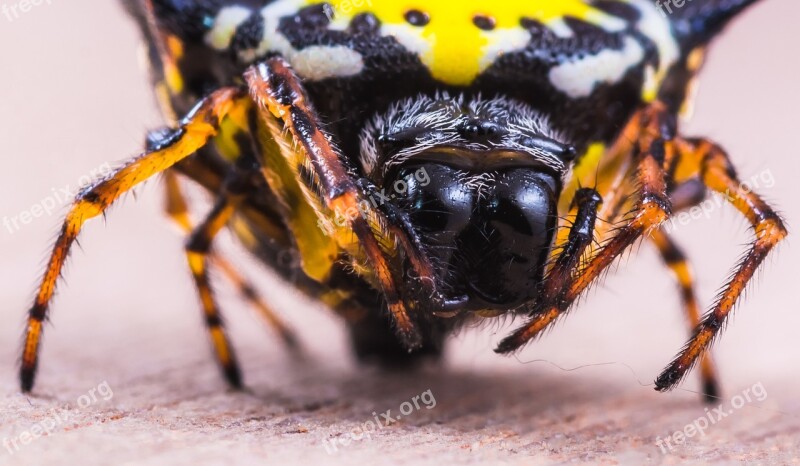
[{"x": 479, "y": 180}]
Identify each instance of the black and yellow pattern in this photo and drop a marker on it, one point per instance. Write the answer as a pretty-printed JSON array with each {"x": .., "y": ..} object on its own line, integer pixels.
[{"x": 417, "y": 166}]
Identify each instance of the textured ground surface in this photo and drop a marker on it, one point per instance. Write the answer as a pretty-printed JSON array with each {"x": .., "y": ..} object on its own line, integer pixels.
[{"x": 126, "y": 327}]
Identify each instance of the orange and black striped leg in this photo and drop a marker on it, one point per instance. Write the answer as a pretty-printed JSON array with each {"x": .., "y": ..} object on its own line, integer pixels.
[
  {"x": 718, "y": 174},
  {"x": 195, "y": 131},
  {"x": 176, "y": 207},
  {"x": 197, "y": 253},
  {"x": 675, "y": 259},
  {"x": 279, "y": 94},
  {"x": 249, "y": 293},
  {"x": 652, "y": 209}
]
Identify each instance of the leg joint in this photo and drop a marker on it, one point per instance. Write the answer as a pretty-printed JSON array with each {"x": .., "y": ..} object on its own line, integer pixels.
[
  {"x": 38, "y": 312},
  {"x": 672, "y": 255},
  {"x": 198, "y": 242},
  {"x": 771, "y": 229},
  {"x": 162, "y": 138},
  {"x": 653, "y": 211},
  {"x": 213, "y": 320}
]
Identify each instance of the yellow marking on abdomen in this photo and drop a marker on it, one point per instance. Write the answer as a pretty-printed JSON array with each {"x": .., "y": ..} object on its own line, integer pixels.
[{"x": 451, "y": 45}]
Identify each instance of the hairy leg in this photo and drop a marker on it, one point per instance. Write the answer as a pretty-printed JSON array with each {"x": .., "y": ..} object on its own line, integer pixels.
[
  {"x": 194, "y": 132},
  {"x": 676, "y": 260},
  {"x": 177, "y": 208},
  {"x": 279, "y": 94},
  {"x": 717, "y": 172},
  {"x": 653, "y": 153}
]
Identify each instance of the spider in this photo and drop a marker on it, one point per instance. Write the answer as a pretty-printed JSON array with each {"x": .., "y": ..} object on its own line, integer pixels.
[{"x": 416, "y": 167}]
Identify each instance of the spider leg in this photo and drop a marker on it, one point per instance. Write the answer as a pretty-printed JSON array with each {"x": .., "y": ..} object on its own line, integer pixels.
[
  {"x": 197, "y": 253},
  {"x": 234, "y": 191},
  {"x": 398, "y": 223},
  {"x": 653, "y": 152},
  {"x": 718, "y": 173},
  {"x": 279, "y": 94},
  {"x": 587, "y": 201},
  {"x": 176, "y": 207},
  {"x": 676, "y": 260},
  {"x": 249, "y": 293},
  {"x": 194, "y": 132}
]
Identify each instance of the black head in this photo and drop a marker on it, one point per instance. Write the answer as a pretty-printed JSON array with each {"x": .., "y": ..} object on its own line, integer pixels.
[{"x": 480, "y": 181}]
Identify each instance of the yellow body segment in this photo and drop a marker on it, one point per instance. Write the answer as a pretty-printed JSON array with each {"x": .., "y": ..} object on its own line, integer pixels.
[
  {"x": 451, "y": 45},
  {"x": 281, "y": 163}
]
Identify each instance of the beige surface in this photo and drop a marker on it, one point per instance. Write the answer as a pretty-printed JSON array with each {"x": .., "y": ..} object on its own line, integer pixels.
[{"x": 73, "y": 97}]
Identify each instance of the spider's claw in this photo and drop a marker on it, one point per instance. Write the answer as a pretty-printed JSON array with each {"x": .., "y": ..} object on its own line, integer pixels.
[
  {"x": 233, "y": 375},
  {"x": 27, "y": 376},
  {"x": 711, "y": 391}
]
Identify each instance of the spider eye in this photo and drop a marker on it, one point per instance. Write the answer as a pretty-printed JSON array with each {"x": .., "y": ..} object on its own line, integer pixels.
[
  {"x": 489, "y": 233},
  {"x": 439, "y": 203}
]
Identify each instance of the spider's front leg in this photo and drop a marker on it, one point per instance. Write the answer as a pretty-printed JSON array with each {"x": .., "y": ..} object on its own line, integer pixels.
[
  {"x": 716, "y": 171},
  {"x": 653, "y": 154},
  {"x": 280, "y": 94},
  {"x": 195, "y": 130}
]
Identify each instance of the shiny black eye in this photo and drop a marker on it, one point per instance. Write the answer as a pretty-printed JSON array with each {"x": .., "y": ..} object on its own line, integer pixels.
[
  {"x": 509, "y": 244},
  {"x": 437, "y": 200},
  {"x": 489, "y": 233},
  {"x": 523, "y": 204}
]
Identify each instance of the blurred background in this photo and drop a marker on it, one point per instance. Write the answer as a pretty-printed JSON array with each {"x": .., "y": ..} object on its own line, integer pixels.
[{"x": 74, "y": 96}]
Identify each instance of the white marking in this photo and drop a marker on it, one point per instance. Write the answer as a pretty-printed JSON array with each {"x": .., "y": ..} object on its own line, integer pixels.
[
  {"x": 500, "y": 42},
  {"x": 313, "y": 62},
  {"x": 225, "y": 24},
  {"x": 560, "y": 28},
  {"x": 272, "y": 14},
  {"x": 318, "y": 62},
  {"x": 578, "y": 78},
  {"x": 658, "y": 29},
  {"x": 410, "y": 37}
]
